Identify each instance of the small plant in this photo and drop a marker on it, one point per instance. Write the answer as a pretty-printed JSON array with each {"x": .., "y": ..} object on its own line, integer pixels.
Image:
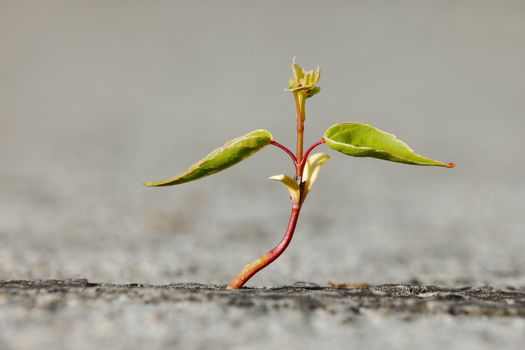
[{"x": 351, "y": 138}]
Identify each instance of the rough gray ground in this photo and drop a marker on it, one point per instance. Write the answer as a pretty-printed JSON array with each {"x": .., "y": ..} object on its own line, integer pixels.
[
  {"x": 65, "y": 314},
  {"x": 97, "y": 97}
]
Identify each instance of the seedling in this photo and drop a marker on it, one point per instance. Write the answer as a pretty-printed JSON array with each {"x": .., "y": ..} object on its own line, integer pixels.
[{"x": 351, "y": 138}]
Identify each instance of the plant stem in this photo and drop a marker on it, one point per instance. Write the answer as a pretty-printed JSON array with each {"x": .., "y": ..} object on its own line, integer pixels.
[
  {"x": 286, "y": 149},
  {"x": 299, "y": 105},
  {"x": 307, "y": 153},
  {"x": 266, "y": 259}
]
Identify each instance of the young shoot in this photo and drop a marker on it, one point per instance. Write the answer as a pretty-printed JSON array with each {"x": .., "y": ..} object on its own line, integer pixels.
[{"x": 350, "y": 138}]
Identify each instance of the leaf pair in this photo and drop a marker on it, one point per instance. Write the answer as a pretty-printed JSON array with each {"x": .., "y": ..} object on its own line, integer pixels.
[
  {"x": 310, "y": 175},
  {"x": 353, "y": 139},
  {"x": 304, "y": 82}
]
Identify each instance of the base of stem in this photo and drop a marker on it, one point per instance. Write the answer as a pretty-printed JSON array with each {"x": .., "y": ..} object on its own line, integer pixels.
[{"x": 265, "y": 260}]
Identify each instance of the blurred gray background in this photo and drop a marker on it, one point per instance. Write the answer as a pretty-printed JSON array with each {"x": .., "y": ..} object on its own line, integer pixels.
[{"x": 97, "y": 97}]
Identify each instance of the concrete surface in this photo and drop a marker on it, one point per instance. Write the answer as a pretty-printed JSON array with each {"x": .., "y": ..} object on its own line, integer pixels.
[
  {"x": 79, "y": 314},
  {"x": 97, "y": 97}
]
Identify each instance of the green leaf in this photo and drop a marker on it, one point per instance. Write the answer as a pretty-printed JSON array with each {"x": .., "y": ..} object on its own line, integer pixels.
[
  {"x": 311, "y": 171},
  {"x": 221, "y": 158},
  {"x": 314, "y": 91},
  {"x": 312, "y": 167},
  {"x": 304, "y": 81},
  {"x": 363, "y": 140},
  {"x": 290, "y": 184}
]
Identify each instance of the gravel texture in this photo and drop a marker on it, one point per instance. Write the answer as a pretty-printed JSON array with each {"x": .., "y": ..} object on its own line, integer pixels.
[{"x": 65, "y": 314}]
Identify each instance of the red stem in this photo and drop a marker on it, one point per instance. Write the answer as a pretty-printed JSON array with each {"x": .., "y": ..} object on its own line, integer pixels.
[
  {"x": 299, "y": 161},
  {"x": 299, "y": 165},
  {"x": 286, "y": 149},
  {"x": 307, "y": 153},
  {"x": 265, "y": 260}
]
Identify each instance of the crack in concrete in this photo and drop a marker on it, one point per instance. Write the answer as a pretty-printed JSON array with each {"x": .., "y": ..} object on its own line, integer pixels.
[{"x": 305, "y": 297}]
